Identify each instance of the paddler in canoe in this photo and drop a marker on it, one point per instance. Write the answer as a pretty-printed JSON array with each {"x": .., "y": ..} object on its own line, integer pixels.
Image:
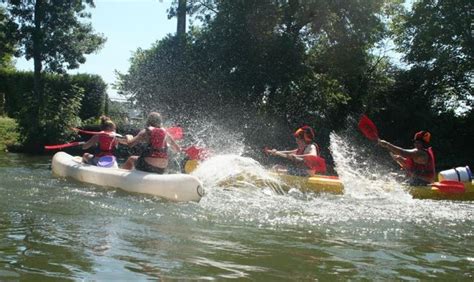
[
  {"x": 306, "y": 157},
  {"x": 155, "y": 156},
  {"x": 107, "y": 142},
  {"x": 419, "y": 162}
]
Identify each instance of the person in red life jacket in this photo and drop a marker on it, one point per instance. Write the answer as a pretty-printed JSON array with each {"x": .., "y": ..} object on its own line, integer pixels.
[
  {"x": 419, "y": 162},
  {"x": 155, "y": 157},
  {"x": 107, "y": 142},
  {"x": 304, "y": 137}
]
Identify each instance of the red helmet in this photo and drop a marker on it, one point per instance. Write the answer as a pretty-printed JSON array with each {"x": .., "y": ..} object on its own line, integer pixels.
[
  {"x": 424, "y": 136},
  {"x": 306, "y": 133}
]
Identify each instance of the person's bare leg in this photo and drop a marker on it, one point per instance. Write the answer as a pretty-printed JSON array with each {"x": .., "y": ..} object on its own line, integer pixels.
[
  {"x": 130, "y": 163},
  {"x": 87, "y": 157}
]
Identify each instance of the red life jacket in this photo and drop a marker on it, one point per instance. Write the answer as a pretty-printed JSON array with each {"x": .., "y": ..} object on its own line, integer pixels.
[
  {"x": 426, "y": 171},
  {"x": 300, "y": 151},
  {"x": 157, "y": 146},
  {"x": 107, "y": 144}
]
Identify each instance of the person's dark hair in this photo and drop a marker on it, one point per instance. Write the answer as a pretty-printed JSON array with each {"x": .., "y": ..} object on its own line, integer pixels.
[{"x": 154, "y": 119}]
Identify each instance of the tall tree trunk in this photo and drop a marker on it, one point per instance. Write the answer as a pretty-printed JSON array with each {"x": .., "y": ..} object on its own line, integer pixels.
[
  {"x": 106, "y": 105},
  {"x": 37, "y": 47},
  {"x": 181, "y": 28}
]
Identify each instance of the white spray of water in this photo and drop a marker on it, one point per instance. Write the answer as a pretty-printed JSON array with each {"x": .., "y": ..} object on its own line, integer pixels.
[
  {"x": 236, "y": 172},
  {"x": 363, "y": 178},
  {"x": 239, "y": 188}
]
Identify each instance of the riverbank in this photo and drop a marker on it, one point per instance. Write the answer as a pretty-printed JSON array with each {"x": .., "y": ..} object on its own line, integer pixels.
[{"x": 8, "y": 132}]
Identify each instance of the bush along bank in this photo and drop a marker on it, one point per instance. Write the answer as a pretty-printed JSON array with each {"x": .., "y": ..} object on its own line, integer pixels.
[{"x": 8, "y": 133}]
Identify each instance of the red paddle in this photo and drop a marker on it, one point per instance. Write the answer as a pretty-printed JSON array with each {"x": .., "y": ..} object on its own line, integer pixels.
[
  {"x": 96, "y": 132},
  {"x": 196, "y": 153},
  {"x": 175, "y": 132},
  {"x": 368, "y": 128},
  {"x": 450, "y": 186},
  {"x": 62, "y": 146}
]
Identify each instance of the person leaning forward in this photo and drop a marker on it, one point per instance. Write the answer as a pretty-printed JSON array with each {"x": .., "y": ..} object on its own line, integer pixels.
[{"x": 419, "y": 162}]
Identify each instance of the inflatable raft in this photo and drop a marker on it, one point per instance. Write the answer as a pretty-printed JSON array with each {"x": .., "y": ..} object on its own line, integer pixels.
[
  {"x": 174, "y": 187},
  {"x": 332, "y": 184}
]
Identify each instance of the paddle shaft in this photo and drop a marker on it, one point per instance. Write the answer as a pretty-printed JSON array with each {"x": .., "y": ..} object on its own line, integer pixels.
[{"x": 62, "y": 146}]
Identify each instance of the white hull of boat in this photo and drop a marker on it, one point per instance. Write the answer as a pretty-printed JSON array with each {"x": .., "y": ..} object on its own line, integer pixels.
[{"x": 174, "y": 187}]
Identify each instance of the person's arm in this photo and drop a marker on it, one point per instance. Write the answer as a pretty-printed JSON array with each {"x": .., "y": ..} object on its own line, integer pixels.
[
  {"x": 283, "y": 154},
  {"x": 132, "y": 141},
  {"x": 173, "y": 143},
  {"x": 123, "y": 140},
  {"x": 406, "y": 153},
  {"x": 401, "y": 161},
  {"x": 91, "y": 142}
]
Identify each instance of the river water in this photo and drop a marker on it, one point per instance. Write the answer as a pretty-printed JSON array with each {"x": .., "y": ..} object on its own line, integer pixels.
[{"x": 56, "y": 229}]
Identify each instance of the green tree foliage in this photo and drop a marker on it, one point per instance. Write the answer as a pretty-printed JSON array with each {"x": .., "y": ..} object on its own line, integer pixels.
[
  {"x": 61, "y": 105},
  {"x": 8, "y": 132},
  {"x": 437, "y": 36},
  {"x": 54, "y": 32},
  {"x": 17, "y": 86},
  {"x": 94, "y": 88},
  {"x": 298, "y": 61},
  {"x": 7, "y": 41},
  {"x": 118, "y": 112},
  {"x": 55, "y": 36}
]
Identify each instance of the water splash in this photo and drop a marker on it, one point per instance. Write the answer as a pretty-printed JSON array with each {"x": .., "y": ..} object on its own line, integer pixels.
[
  {"x": 372, "y": 196},
  {"x": 236, "y": 172},
  {"x": 362, "y": 175}
]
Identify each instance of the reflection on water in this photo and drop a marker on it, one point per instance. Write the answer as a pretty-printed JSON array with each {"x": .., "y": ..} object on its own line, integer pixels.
[{"x": 54, "y": 228}]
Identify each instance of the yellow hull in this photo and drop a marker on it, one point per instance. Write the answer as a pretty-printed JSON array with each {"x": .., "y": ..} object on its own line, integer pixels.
[
  {"x": 332, "y": 185},
  {"x": 324, "y": 184}
]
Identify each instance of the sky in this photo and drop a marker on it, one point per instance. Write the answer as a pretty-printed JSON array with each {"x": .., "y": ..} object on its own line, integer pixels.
[{"x": 127, "y": 25}]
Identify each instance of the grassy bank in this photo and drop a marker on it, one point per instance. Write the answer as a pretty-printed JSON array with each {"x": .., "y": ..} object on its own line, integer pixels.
[{"x": 8, "y": 132}]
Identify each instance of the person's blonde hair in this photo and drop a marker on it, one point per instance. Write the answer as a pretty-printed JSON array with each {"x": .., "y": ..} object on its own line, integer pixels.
[
  {"x": 154, "y": 119},
  {"x": 106, "y": 123}
]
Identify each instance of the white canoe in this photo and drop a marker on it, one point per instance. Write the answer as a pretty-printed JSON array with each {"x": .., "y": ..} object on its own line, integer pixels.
[{"x": 174, "y": 187}]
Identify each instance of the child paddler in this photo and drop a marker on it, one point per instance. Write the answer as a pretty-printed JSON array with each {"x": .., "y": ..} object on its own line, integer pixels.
[
  {"x": 107, "y": 142},
  {"x": 418, "y": 162},
  {"x": 304, "y": 137}
]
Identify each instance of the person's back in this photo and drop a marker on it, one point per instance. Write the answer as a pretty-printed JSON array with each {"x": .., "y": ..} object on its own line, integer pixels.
[
  {"x": 106, "y": 141},
  {"x": 155, "y": 157}
]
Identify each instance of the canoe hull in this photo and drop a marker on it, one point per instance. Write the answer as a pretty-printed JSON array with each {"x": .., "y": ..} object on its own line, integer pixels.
[
  {"x": 325, "y": 184},
  {"x": 174, "y": 187}
]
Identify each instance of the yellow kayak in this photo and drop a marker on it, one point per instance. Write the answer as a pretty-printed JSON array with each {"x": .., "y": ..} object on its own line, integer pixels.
[{"x": 333, "y": 185}]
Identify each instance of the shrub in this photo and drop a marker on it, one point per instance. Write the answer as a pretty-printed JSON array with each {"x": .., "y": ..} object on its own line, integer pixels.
[{"x": 8, "y": 132}]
